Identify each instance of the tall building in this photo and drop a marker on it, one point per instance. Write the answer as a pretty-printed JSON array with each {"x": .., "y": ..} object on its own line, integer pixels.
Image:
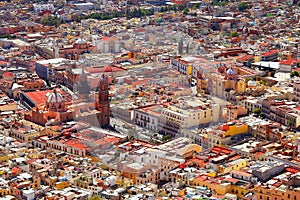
[
  {"x": 102, "y": 103},
  {"x": 180, "y": 46},
  {"x": 296, "y": 88}
]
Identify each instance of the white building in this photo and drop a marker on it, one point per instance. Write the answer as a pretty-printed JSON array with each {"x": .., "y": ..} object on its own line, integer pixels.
[
  {"x": 148, "y": 117},
  {"x": 106, "y": 44},
  {"x": 41, "y": 7},
  {"x": 29, "y": 194},
  {"x": 84, "y": 6}
]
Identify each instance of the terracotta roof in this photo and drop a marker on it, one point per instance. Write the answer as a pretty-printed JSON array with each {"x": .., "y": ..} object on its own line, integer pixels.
[
  {"x": 269, "y": 53},
  {"x": 104, "y": 69},
  {"x": 8, "y": 74},
  {"x": 106, "y": 39},
  {"x": 38, "y": 97},
  {"x": 290, "y": 62}
]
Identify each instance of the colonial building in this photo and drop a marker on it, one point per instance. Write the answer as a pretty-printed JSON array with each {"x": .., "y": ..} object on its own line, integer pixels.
[
  {"x": 53, "y": 111},
  {"x": 57, "y": 109},
  {"x": 296, "y": 87},
  {"x": 102, "y": 103},
  {"x": 73, "y": 52},
  {"x": 107, "y": 45}
]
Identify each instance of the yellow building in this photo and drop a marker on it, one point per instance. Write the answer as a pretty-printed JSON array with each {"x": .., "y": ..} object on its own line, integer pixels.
[
  {"x": 189, "y": 69},
  {"x": 232, "y": 129},
  {"x": 82, "y": 182},
  {"x": 186, "y": 116},
  {"x": 124, "y": 182},
  {"x": 36, "y": 182},
  {"x": 283, "y": 192},
  {"x": 212, "y": 184},
  {"x": 4, "y": 158},
  {"x": 189, "y": 150},
  {"x": 240, "y": 191},
  {"x": 256, "y": 58},
  {"x": 233, "y": 165},
  {"x": 201, "y": 86},
  {"x": 241, "y": 86},
  {"x": 222, "y": 136},
  {"x": 62, "y": 184},
  {"x": 5, "y": 191}
]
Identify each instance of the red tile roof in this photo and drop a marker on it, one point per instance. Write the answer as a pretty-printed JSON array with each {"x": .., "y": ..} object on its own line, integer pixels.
[
  {"x": 38, "y": 97},
  {"x": 269, "y": 53},
  {"x": 290, "y": 62},
  {"x": 104, "y": 69},
  {"x": 106, "y": 39},
  {"x": 8, "y": 74}
]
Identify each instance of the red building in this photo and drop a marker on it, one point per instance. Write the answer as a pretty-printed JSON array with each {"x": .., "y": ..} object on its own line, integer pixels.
[
  {"x": 102, "y": 103},
  {"x": 53, "y": 111}
]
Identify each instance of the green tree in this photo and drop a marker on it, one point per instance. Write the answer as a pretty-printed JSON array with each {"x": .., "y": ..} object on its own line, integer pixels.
[
  {"x": 220, "y": 2},
  {"x": 272, "y": 74},
  {"x": 257, "y": 111},
  {"x": 166, "y": 137},
  {"x": 51, "y": 20},
  {"x": 242, "y": 6},
  {"x": 234, "y": 34},
  {"x": 185, "y": 11},
  {"x": 95, "y": 198},
  {"x": 290, "y": 123},
  {"x": 294, "y": 73},
  {"x": 8, "y": 36}
]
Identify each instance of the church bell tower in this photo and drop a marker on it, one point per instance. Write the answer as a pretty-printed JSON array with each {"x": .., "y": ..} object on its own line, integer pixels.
[{"x": 102, "y": 103}]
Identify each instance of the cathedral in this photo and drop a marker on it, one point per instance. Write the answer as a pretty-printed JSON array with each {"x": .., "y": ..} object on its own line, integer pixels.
[{"x": 57, "y": 109}]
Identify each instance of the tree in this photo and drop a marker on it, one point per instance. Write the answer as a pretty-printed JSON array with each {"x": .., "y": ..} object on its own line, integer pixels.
[
  {"x": 166, "y": 137},
  {"x": 273, "y": 74},
  {"x": 95, "y": 198},
  {"x": 294, "y": 73},
  {"x": 257, "y": 111},
  {"x": 185, "y": 11},
  {"x": 220, "y": 2},
  {"x": 51, "y": 20},
  {"x": 290, "y": 123},
  {"x": 242, "y": 6},
  {"x": 234, "y": 34}
]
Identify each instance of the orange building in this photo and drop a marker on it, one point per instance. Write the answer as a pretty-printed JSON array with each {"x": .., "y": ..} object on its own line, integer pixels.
[
  {"x": 53, "y": 111},
  {"x": 79, "y": 47}
]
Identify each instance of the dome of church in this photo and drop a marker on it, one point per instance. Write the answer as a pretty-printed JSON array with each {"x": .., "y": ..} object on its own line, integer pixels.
[
  {"x": 231, "y": 71},
  {"x": 81, "y": 41},
  {"x": 251, "y": 83},
  {"x": 55, "y": 97}
]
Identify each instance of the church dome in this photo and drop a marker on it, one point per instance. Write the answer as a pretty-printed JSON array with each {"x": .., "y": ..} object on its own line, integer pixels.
[
  {"x": 231, "y": 71},
  {"x": 251, "y": 83},
  {"x": 81, "y": 41},
  {"x": 55, "y": 97}
]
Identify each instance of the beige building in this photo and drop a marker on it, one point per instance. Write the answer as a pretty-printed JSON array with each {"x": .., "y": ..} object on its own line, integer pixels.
[
  {"x": 296, "y": 87},
  {"x": 184, "y": 115}
]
